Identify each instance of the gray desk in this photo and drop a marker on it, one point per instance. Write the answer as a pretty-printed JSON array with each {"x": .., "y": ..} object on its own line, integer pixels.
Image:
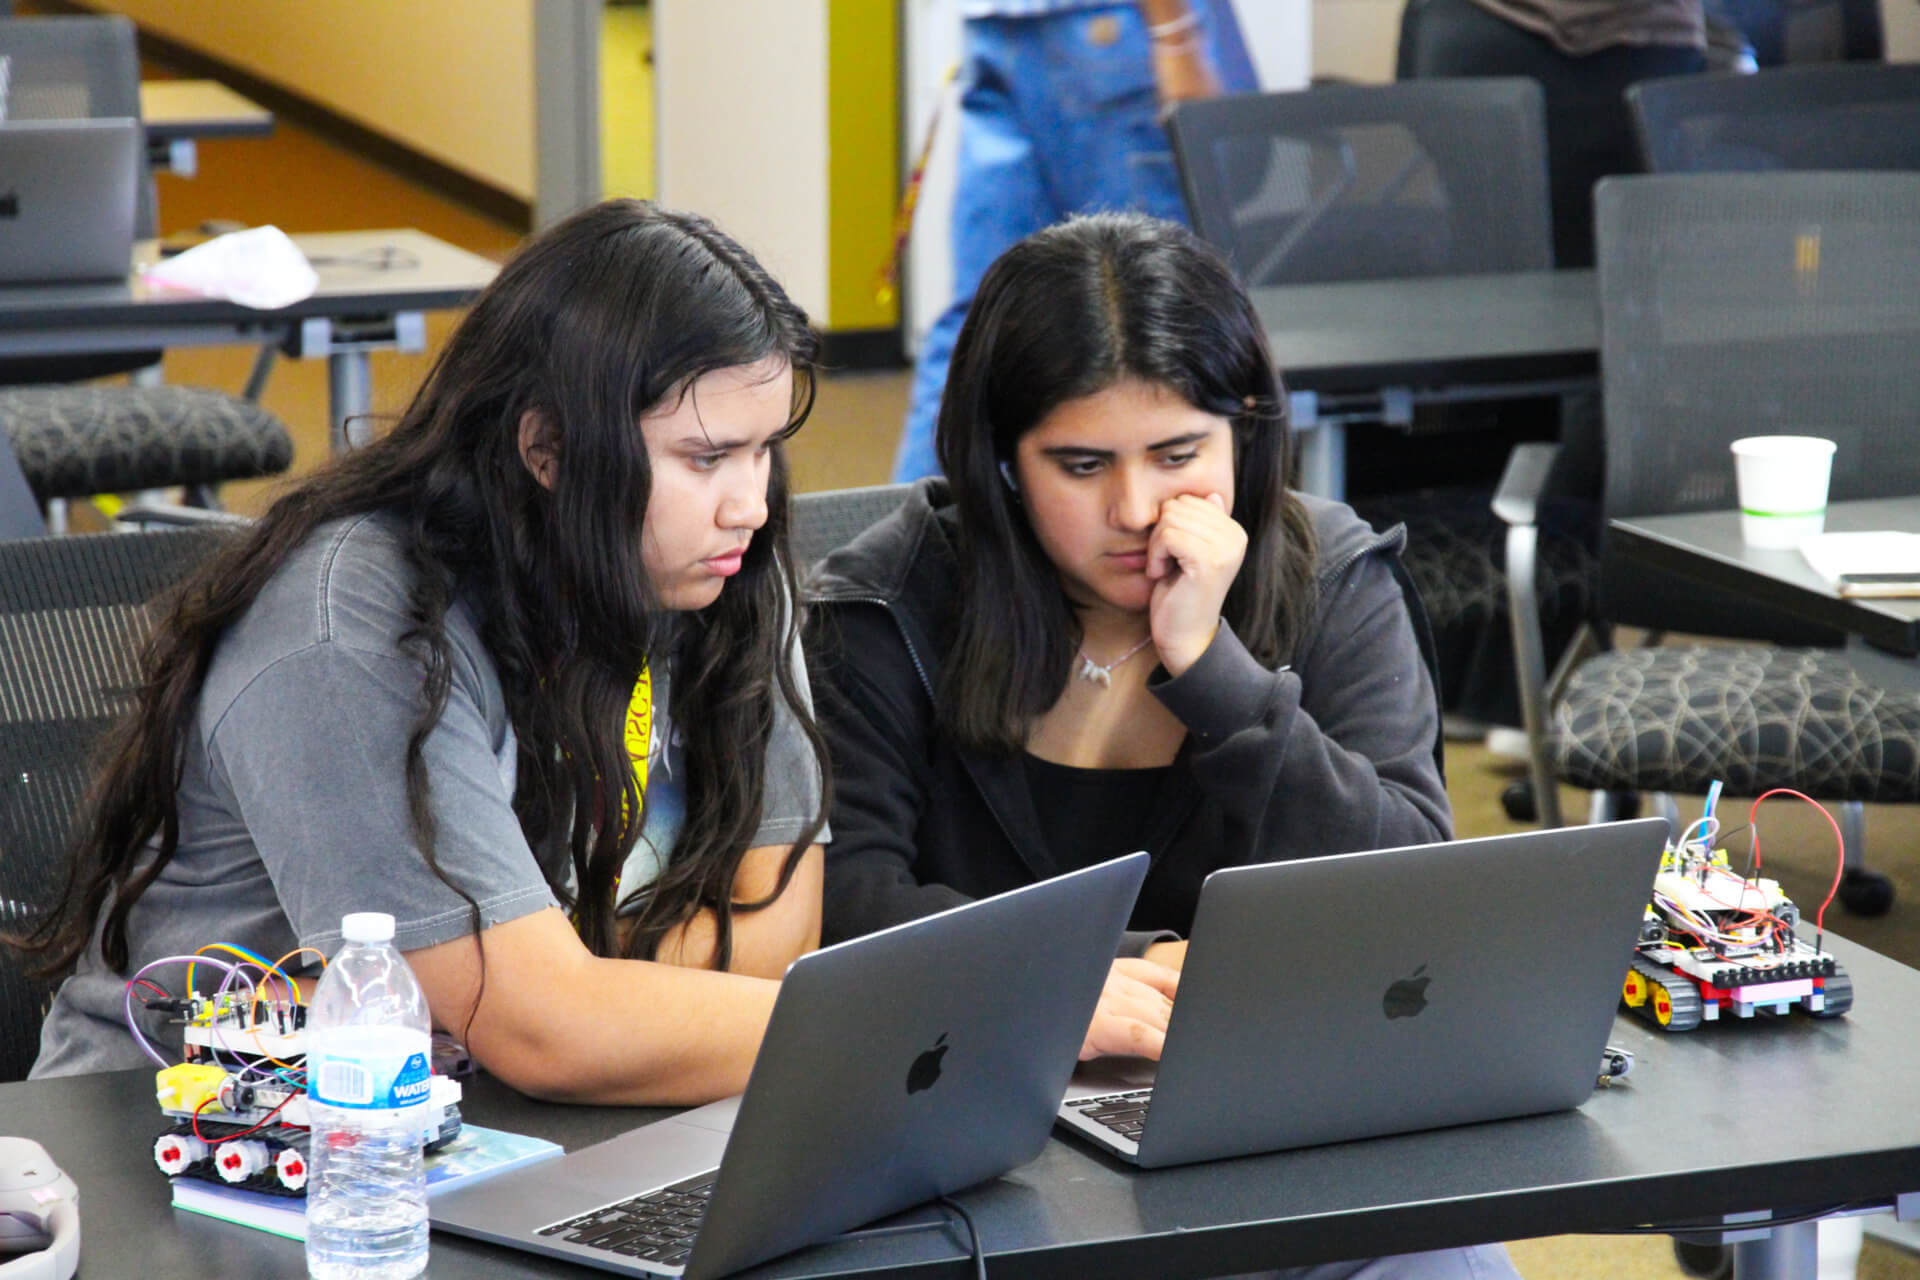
[
  {"x": 375, "y": 288},
  {"x": 1390, "y": 343},
  {"x": 1731, "y": 1118},
  {"x": 177, "y": 113},
  {"x": 1706, "y": 547}
]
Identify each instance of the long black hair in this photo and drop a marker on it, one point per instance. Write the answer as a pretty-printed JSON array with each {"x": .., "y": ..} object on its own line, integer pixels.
[
  {"x": 610, "y": 313},
  {"x": 1065, "y": 314}
]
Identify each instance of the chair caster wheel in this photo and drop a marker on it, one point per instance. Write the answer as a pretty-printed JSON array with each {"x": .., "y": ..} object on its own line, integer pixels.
[
  {"x": 1517, "y": 799},
  {"x": 1865, "y": 893},
  {"x": 1710, "y": 1261}
]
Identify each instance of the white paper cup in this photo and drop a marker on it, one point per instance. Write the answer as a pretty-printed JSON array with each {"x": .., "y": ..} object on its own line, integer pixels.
[{"x": 1782, "y": 483}]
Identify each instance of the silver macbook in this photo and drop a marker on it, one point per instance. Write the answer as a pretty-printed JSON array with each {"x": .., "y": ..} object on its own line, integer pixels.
[
  {"x": 897, "y": 1068},
  {"x": 1345, "y": 997},
  {"x": 67, "y": 194}
]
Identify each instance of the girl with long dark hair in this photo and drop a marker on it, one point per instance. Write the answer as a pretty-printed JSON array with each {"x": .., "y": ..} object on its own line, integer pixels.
[
  {"x": 524, "y": 673},
  {"x": 1112, "y": 626}
]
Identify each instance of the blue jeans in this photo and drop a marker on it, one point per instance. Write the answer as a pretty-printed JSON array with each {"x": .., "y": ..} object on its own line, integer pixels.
[{"x": 1053, "y": 122}]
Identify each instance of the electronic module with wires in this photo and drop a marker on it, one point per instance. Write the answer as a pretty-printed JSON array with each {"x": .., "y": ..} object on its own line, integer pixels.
[
  {"x": 1716, "y": 941},
  {"x": 238, "y": 1098}
]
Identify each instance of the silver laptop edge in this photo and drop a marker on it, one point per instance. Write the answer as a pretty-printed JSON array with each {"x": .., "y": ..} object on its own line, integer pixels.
[
  {"x": 68, "y": 193},
  {"x": 897, "y": 1067},
  {"x": 1362, "y": 994}
]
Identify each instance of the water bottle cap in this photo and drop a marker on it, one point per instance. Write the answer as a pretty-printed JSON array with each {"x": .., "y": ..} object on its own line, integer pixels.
[{"x": 367, "y": 926}]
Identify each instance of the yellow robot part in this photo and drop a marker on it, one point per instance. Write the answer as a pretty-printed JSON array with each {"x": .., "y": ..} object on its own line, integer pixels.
[{"x": 189, "y": 1086}]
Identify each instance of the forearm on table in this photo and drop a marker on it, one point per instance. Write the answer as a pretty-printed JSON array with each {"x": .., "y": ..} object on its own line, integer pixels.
[
  {"x": 559, "y": 1023},
  {"x": 635, "y": 1031}
]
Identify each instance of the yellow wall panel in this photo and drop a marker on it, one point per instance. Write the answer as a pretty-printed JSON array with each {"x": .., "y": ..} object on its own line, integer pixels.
[
  {"x": 626, "y": 101},
  {"x": 454, "y": 81},
  {"x": 863, "y": 150}
]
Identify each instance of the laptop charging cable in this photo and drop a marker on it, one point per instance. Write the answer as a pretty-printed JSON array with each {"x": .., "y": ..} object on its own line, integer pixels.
[{"x": 954, "y": 1208}]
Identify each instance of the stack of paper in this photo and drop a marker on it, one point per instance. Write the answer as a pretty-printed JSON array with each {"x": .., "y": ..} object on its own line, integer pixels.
[{"x": 1880, "y": 563}]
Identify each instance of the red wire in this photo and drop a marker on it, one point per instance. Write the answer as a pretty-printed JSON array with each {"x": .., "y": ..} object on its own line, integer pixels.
[
  {"x": 244, "y": 1132},
  {"x": 154, "y": 987},
  {"x": 1839, "y": 841}
]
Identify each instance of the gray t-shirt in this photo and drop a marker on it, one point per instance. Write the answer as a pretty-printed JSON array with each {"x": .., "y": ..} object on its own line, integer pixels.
[{"x": 293, "y": 802}]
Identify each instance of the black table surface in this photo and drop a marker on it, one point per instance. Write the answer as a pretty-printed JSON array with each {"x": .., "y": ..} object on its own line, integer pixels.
[
  {"x": 1706, "y": 546},
  {"x": 1435, "y": 330},
  {"x": 360, "y": 271},
  {"x": 1783, "y": 1115}
]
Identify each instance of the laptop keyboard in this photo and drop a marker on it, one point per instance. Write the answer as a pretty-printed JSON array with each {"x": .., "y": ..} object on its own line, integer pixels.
[
  {"x": 656, "y": 1227},
  {"x": 1124, "y": 1113}
]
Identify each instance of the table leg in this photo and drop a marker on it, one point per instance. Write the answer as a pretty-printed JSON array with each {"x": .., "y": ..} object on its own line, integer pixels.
[
  {"x": 349, "y": 398},
  {"x": 1323, "y": 448},
  {"x": 1785, "y": 1253}
]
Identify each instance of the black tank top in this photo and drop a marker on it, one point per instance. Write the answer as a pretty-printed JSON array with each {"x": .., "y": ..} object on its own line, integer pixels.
[{"x": 1090, "y": 815}]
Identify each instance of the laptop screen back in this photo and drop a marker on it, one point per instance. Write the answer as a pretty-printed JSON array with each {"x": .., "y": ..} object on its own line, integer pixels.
[{"x": 67, "y": 195}]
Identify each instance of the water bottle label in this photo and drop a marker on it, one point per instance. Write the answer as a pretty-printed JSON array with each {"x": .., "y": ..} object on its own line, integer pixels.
[{"x": 378, "y": 1082}]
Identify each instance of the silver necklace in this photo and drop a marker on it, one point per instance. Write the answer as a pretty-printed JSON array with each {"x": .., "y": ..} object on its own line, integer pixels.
[{"x": 1094, "y": 673}]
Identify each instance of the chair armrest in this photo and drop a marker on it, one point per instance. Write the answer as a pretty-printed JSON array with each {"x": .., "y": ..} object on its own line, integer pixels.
[
  {"x": 1524, "y": 482},
  {"x": 145, "y": 513}
]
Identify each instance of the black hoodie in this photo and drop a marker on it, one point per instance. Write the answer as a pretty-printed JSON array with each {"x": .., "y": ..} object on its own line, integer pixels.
[{"x": 1333, "y": 753}]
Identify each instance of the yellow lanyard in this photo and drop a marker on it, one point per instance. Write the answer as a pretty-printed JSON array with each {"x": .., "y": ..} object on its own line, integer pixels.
[
  {"x": 640, "y": 728},
  {"x": 639, "y": 743}
]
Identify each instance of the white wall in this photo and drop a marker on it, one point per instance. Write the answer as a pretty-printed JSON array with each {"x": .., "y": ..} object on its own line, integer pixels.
[
  {"x": 1355, "y": 39},
  {"x": 1902, "y": 20},
  {"x": 741, "y": 94}
]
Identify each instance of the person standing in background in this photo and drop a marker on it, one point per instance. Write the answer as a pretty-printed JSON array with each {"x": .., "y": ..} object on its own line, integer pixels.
[
  {"x": 1060, "y": 112},
  {"x": 1584, "y": 53}
]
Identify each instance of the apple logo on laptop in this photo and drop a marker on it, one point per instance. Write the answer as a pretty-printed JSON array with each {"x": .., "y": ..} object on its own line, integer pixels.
[
  {"x": 10, "y": 205},
  {"x": 926, "y": 1068},
  {"x": 1407, "y": 996}
]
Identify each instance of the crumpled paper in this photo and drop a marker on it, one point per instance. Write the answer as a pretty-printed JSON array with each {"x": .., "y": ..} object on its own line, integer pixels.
[{"x": 259, "y": 267}]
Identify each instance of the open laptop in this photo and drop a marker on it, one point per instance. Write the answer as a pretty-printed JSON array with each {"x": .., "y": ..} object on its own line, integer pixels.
[
  {"x": 67, "y": 196},
  {"x": 896, "y": 1068},
  {"x": 1345, "y": 997}
]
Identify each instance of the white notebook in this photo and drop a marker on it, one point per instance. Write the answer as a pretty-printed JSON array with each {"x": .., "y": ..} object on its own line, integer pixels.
[{"x": 1882, "y": 562}]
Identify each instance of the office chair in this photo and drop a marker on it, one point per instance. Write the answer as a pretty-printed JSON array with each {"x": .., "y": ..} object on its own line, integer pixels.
[
  {"x": 1840, "y": 116},
  {"x": 1588, "y": 133},
  {"x": 830, "y": 518},
  {"x": 1434, "y": 177},
  {"x": 1736, "y": 305},
  {"x": 1794, "y": 32},
  {"x": 77, "y": 441},
  {"x": 74, "y": 613},
  {"x": 81, "y": 67}
]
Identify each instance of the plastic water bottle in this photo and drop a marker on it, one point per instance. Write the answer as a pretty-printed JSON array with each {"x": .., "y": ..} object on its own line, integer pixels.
[{"x": 368, "y": 1050}]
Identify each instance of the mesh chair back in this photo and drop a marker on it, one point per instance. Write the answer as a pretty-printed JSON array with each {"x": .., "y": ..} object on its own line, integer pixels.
[
  {"x": 73, "y": 615},
  {"x": 1747, "y": 304},
  {"x": 828, "y": 519},
  {"x": 78, "y": 68},
  {"x": 1352, "y": 182},
  {"x": 1843, "y": 116}
]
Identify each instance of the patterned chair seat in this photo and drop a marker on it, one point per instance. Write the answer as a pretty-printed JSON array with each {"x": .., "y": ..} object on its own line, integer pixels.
[
  {"x": 1456, "y": 556},
  {"x": 76, "y": 441},
  {"x": 1676, "y": 718}
]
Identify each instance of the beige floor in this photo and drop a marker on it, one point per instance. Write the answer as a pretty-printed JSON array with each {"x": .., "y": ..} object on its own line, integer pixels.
[{"x": 301, "y": 182}]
